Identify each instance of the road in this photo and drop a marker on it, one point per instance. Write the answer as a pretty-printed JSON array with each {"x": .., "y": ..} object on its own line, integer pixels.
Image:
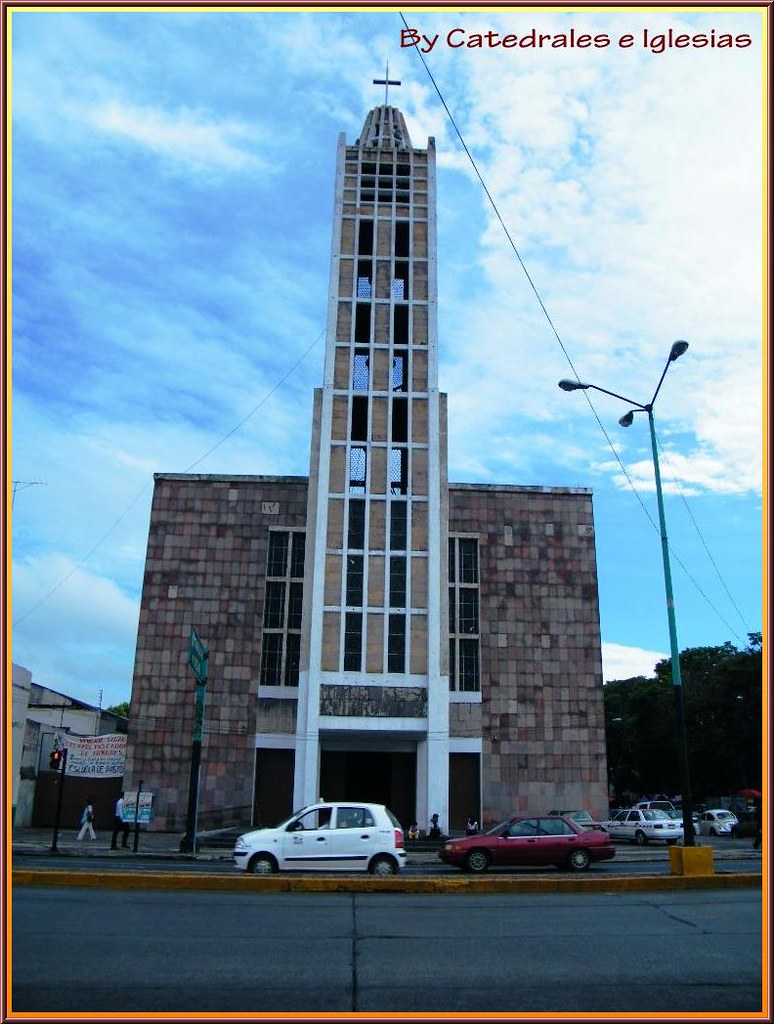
[
  {"x": 628, "y": 861},
  {"x": 106, "y": 950}
]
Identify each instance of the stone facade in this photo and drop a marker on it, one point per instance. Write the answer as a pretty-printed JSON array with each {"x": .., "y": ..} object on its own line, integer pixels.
[
  {"x": 538, "y": 716},
  {"x": 206, "y": 568},
  {"x": 541, "y": 715}
]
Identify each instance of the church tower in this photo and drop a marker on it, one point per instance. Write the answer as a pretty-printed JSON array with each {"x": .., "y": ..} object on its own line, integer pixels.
[{"x": 373, "y": 675}]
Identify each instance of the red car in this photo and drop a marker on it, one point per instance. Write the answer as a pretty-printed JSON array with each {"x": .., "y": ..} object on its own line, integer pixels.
[{"x": 524, "y": 841}]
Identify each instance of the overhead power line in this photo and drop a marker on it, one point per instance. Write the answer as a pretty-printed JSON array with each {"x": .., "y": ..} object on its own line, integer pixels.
[{"x": 554, "y": 330}]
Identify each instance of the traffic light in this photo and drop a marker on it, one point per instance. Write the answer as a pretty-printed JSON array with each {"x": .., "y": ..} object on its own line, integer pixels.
[{"x": 55, "y": 761}]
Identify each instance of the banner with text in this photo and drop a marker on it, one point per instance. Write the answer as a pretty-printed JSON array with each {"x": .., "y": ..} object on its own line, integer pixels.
[{"x": 96, "y": 757}]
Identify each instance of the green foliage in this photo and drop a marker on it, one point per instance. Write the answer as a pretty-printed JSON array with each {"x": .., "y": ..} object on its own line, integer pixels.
[
  {"x": 723, "y": 721},
  {"x": 120, "y": 709}
]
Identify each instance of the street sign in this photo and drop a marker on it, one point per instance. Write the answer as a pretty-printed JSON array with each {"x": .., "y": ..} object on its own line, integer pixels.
[{"x": 197, "y": 656}]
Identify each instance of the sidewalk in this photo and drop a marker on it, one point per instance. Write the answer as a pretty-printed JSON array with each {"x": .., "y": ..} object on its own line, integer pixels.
[{"x": 166, "y": 846}]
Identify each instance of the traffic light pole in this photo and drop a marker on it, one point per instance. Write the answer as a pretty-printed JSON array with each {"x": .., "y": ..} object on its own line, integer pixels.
[{"x": 58, "y": 817}]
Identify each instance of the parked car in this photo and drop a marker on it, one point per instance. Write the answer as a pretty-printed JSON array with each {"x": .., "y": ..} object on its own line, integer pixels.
[
  {"x": 659, "y": 805},
  {"x": 337, "y": 836},
  {"x": 717, "y": 822},
  {"x": 525, "y": 841},
  {"x": 677, "y": 815},
  {"x": 643, "y": 825},
  {"x": 580, "y": 817}
]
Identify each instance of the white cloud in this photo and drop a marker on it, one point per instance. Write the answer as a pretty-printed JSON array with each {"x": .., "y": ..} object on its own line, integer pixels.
[
  {"x": 622, "y": 662},
  {"x": 186, "y": 136},
  {"x": 83, "y": 641}
]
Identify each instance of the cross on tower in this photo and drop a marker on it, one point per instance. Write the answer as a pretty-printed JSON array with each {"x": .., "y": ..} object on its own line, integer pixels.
[{"x": 386, "y": 81}]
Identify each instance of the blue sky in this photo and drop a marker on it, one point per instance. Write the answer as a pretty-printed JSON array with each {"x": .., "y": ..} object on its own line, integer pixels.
[{"x": 172, "y": 199}]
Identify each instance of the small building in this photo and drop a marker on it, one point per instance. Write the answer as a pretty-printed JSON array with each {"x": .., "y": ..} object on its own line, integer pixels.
[{"x": 42, "y": 717}]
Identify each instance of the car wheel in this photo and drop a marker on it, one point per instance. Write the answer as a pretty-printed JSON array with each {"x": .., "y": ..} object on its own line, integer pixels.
[
  {"x": 578, "y": 860},
  {"x": 477, "y": 861},
  {"x": 640, "y": 838},
  {"x": 383, "y": 866},
  {"x": 713, "y": 832},
  {"x": 263, "y": 864},
  {"x": 671, "y": 842}
]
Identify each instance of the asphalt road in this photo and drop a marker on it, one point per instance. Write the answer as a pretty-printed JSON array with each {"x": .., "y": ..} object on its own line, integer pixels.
[
  {"x": 123, "y": 950},
  {"x": 106, "y": 864}
]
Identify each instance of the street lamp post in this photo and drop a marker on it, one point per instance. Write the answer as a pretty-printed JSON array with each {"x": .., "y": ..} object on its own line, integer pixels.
[{"x": 676, "y": 351}]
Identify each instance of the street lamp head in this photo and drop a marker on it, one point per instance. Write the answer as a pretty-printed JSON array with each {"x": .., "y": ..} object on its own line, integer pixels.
[
  {"x": 627, "y": 419},
  {"x": 572, "y": 385},
  {"x": 677, "y": 350}
]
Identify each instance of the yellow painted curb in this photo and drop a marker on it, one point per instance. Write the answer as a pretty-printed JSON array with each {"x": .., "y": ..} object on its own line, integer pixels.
[{"x": 407, "y": 884}]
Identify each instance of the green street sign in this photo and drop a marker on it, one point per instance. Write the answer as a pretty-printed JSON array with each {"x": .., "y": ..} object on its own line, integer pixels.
[{"x": 197, "y": 656}]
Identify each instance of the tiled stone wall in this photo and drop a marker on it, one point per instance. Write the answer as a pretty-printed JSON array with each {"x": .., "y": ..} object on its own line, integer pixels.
[
  {"x": 541, "y": 671},
  {"x": 206, "y": 566}
]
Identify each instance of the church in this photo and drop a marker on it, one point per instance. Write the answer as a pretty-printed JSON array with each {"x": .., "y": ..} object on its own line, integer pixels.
[{"x": 375, "y": 632}]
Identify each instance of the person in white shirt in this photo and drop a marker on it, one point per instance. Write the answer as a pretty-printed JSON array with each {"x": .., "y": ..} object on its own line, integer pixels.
[{"x": 119, "y": 825}]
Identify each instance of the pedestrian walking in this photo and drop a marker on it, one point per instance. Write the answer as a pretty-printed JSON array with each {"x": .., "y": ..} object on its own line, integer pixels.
[
  {"x": 87, "y": 820},
  {"x": 119, "y": 824}
]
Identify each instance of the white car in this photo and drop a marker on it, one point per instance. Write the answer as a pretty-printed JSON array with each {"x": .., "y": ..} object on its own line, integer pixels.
[
  {"x": 642, "y": 826},
  {"x": 326, "y": 836},
  {"x": 717, "y": 823}
]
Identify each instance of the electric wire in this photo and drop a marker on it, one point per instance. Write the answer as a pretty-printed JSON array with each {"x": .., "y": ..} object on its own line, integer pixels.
[
  {"x": 556, "y": 334},
  {"x": 141, "y": 493}
]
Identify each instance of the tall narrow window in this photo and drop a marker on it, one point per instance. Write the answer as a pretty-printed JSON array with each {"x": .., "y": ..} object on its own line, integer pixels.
[
  {"x": 353, "y": 641},
  {"x": 400, "y": 282},
  {"x": 292, "y": 659},
  {"x": 402, "y": 238},
  {"x": 297, "y": 558},
  {"x": 356, "y": 529},
  {"x": 354, "y": 580},
  {"x": 362, "y": 323},
  {"x": 400, "y": 325},
  {"x": 468, "y": 610},
  {"x": 365, "y": 238},
  {"x": 274, "y": 605},
  {"x": 400, "y": 420},
  {"x": 360, "y": 370},
  {"x": 271, "y": 659},
  {"x": 359, "y": 431},
  {"x": 364, "y": 272},
  {"x": 295, "y": 604},
  {"x": 357, "y": 470},
  {"x": 398, "y": 471},
  {"x": 397, "y": 581},
  {"x": 464, "y": 618},
  {"x": 468, "y": 674},
  {"x": 399, "y": 370},
  {"x": 398, "y": 528},
  {"x": 282, "y": 609},
  {"x": 396, "y": 644},
  {"x": 278, "y": 553}
]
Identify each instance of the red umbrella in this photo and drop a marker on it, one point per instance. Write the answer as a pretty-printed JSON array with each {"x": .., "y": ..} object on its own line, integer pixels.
[{"x": 753, "y": 794}]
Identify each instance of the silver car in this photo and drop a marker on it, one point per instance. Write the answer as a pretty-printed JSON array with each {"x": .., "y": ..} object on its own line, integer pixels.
[
  {"x": 717, "y": 823},
  {"x": 642, "y": 826}
]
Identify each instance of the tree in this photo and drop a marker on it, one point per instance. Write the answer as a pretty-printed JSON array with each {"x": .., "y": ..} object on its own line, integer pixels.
[
  {"x": 723, "y": 719},
  {"x": 122, "y": 709}
]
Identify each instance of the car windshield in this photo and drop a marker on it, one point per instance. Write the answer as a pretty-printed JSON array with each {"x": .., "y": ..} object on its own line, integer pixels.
[
  {"x": 498, "y": 826},
  {"x": 653, "y": 814},
  {"x": 724, "y": 814},
  {"x": 578, "y": 815}
]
